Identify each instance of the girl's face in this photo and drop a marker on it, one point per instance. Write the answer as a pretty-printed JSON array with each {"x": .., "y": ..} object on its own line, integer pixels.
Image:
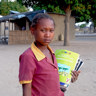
[{"x": 44, "y": 31}]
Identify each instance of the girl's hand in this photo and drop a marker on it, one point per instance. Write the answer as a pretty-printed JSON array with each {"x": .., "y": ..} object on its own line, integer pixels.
[{"x": 75, "y": 75}]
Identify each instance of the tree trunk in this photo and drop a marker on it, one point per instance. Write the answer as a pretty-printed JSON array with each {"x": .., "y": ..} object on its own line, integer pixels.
[
  {"x": 67, "y": 23},
  {"x": 94, "y": 29}
]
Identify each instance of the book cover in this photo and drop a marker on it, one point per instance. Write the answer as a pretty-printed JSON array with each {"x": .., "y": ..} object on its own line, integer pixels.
[{"x": 67, "y": 61}]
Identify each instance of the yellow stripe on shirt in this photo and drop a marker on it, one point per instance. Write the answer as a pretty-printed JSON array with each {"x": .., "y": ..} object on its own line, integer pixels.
[{"x": 24, "y": 82}]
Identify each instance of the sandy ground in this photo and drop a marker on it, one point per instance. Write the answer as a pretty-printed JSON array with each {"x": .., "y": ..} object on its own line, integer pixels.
[{"x": 84, "y": 86}]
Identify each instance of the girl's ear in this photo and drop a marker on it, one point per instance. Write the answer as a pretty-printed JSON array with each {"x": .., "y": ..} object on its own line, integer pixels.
[{"x": 32, "y": 30}]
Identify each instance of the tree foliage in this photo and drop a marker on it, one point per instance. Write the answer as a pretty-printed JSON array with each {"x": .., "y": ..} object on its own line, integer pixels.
[
  {"x": 20, "y": 2},
  {"x": 83, "y": 25},
  {"x": 81, "y": 9},
  {"x": 5, "y": 7},
  {"x": 93, "y": 11}
]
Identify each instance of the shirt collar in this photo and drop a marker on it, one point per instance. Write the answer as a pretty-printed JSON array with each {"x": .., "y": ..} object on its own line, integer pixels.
[{"x": 37, "y": 52}]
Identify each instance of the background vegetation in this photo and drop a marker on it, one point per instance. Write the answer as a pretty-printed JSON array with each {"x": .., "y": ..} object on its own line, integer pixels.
[{"x": 5, "y": 7}]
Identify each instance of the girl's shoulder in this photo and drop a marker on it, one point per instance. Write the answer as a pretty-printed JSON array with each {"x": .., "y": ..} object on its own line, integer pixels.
[{"x": 28, "y": 52}]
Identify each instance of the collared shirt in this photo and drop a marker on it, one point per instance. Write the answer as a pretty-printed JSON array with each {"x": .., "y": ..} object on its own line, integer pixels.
[{"x": 37, "y": 69}]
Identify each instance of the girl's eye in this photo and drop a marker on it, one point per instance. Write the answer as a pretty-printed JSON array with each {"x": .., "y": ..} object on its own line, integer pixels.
[
  {"x": 42, "y": 30},
  {"x": 52, "y": 30}
]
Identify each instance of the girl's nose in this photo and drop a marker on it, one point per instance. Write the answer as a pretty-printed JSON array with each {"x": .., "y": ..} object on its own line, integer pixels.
[{"x": 47, "y": 34}]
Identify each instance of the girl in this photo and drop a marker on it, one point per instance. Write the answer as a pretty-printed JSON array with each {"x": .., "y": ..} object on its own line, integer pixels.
[{"x": 38, "y": 71}]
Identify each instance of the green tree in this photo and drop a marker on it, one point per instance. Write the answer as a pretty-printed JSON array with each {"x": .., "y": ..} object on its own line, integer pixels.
[
  {"x": 20, "y": 2},
  {"x": 80, "y": 8},
  {"x": 6, "y": 6},
  {"x": 93, "y": 13},
  {"x": 83, "y": 25}
]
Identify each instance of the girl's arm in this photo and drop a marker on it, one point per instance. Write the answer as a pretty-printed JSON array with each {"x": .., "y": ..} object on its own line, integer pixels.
[{"x": 26, "y": 89}]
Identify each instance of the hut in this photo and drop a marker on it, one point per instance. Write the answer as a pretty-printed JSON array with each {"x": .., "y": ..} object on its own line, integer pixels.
[{"x": 15, "y": 28}]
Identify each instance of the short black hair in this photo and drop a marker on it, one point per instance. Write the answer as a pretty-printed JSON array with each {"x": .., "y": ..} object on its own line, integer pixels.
[{"x": 40, "y": 16}]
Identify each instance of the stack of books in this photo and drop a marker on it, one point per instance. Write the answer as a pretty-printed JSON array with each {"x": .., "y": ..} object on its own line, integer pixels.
[{"x": 67, "y": 61}]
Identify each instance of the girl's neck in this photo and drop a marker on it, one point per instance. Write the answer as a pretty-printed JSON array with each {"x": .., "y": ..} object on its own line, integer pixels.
[{"x": 40, "y": 46}]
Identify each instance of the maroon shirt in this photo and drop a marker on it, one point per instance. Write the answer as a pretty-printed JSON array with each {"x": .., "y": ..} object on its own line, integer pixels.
[{"x": 38, "y": 70}]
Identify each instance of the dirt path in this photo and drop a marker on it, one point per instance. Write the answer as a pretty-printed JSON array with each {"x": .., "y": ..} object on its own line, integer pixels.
[{"x": 85, "y": 85}]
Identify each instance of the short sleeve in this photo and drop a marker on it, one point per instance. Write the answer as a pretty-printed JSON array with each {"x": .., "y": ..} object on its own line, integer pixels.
[{"x": 26, "y": 69}]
